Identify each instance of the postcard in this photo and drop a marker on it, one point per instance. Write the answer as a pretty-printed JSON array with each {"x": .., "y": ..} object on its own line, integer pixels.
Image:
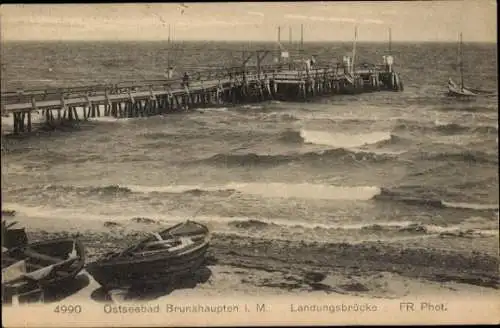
[{"x": 249, "y": 163}]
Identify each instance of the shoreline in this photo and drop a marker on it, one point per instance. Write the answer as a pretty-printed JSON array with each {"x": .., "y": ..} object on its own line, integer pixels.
[
  {"x": 302, "y": 259},
  {"x": 255, "y": 266}
]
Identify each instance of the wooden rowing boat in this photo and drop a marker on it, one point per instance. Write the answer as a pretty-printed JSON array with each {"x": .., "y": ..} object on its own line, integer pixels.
[
  {"x": 41, "y": 265},
  {"x": 13, "y": 237},
  {"x": 173, "y": 252}
]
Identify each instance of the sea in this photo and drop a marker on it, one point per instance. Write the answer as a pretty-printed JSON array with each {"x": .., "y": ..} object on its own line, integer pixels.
[{"x": 383, "y": 166}]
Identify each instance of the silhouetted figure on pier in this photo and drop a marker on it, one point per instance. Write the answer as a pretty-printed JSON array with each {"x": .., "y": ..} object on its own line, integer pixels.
[
  {"x": 307, "y": 66},
  {"x": 169, "y": 74},
  {"x": 312, "y": 62},
  {"x": 185, "y": 80}
]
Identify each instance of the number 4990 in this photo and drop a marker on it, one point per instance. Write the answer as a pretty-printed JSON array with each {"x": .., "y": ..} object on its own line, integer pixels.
[{"x": 68, "y": 309}]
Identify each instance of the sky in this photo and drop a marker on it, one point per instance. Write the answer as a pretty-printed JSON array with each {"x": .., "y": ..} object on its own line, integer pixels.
[{"x": 323, "y": 21}]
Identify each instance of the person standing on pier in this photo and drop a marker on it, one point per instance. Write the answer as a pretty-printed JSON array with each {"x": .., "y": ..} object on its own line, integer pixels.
[
  {"x": 312, "y": 62},
  {"x": 185, "y": 80},
  {"x": 169, "y": 74},
  {"x": 308, "y": 66}
]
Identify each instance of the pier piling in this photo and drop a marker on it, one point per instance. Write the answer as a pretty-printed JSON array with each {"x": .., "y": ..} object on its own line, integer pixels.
[{"x": 212, "y": 88}]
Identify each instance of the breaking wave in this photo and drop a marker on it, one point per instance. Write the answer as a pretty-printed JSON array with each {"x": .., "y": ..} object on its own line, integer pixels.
[
  {"x": 213, "y": 109},
  {"x": 275, "y": 189},
  {"x": 487, "y": 129},
  {"x": 99, "y": 190},
  {"x": 471, "y": 156},
  {"x": 471, "y": 206},
  {"x": 250, "y": 108},
  {"x": 403, "y": 227},
  {"x": 394, "y": 140},
  {"x": 466, "y": 108},
  {"x": 117, "y": 190},
  {"x": 83, "y": 218},
  {"x": 305, "y": 136},
  {"x": 342, "y": 140},
  {"x": 445, "y": 128},
  {"x": 278, "y": 117},
  {"x": 323, "y": 156},
  {"x": 429, "y": 201},
  {"x": 307, "y": 190},
  {"x": 161, "y": 135},
  {"x": 184, "y": 189},
  {"x": 291, "y": 136}
]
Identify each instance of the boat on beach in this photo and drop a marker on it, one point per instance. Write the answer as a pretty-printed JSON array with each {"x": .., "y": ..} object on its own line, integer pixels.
[
  {"x": 13, "y": 237},
  {"x": 38, "y": 266},
  {"x": 157, "y": 259}
]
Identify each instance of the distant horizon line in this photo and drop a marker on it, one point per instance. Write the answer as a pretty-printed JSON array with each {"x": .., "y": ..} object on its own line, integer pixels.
[{"x": 239, "y": 41}]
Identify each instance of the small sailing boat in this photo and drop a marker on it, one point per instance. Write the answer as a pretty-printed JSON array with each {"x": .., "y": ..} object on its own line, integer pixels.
[
  {"x": 460, "y": 90},
  {"x": 170, "y": 71},
  {"x": 352, "y": 82}
]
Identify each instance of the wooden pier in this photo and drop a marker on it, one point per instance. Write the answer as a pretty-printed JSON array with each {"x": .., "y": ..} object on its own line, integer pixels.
[{"x": 225, "y": 86}]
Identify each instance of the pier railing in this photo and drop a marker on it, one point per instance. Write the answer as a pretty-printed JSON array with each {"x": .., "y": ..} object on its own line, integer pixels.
[
  {"x": 233, "y": 85},
  {"x": 214, "y": 75},
  {"x": 207, "y": 78}
]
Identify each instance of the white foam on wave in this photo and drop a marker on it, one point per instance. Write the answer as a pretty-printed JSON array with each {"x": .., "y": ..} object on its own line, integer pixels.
[
  {"x": 215, "y": 109},
  {"x": 309, "y": 225},
  {"x": 254, "y": 107},
  {"x": 37, "y": 117},
  {"x": 8, "y": 121},
  {"x": 276, "y": 190},
  {"x": 343, "y": 140},
  {"x": 307, "y": 190},
  {"x": 76, "y": 214},
  {"x": 46, "y": 212},
  {"x": 80, "y": 112},
  {"x": 71, "y": 213},
  {"x": 172, "y": 188},
  {"x": 457, "y": 229},
  {"x": 45, "y": 215},
  {"x": 471, "y": 206},
  {"x": 79, "y": 218}
]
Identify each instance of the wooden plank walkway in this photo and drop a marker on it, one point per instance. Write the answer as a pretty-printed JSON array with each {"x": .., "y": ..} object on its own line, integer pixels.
[
  {"x": 24, "y": 101},
  {"x": 208, "y": 88}
]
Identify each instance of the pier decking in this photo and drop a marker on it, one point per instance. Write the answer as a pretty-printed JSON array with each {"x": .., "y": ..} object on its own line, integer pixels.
[{"x": 207, "y": 88}]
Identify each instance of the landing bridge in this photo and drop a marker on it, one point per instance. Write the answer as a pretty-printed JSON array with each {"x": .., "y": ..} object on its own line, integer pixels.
[{"x": 206, "y": 88}]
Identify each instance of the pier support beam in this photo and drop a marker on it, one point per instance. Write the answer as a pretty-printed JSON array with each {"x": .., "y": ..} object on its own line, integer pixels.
[
  {"x": 29, "y": 122},
  {"x": 233, "y": 87}
]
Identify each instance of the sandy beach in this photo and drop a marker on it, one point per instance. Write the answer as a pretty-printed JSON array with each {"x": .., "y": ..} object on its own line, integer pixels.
[{"x": 255, "y": 266}]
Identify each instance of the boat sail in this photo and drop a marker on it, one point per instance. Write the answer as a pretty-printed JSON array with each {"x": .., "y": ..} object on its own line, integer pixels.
[
  {"x": 460, "y": 90},
  {"x": 349, "y": 62},
  {"x": 169, "y": 74}
]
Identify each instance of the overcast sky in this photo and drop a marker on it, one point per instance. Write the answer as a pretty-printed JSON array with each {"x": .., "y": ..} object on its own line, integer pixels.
[{"x": 410, "y": 21}]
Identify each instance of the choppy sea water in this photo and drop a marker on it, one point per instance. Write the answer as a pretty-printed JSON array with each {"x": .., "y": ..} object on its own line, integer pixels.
[{"x": 379, "y": 166}]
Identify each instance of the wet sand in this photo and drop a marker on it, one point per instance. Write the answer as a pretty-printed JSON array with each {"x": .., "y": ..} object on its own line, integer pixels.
[{"x": 252, "y": 266}]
